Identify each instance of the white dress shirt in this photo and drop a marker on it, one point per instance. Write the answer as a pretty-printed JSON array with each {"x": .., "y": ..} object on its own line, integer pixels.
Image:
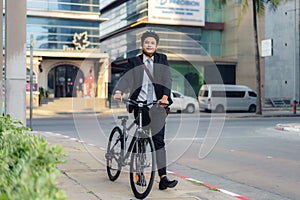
[{"x": 146, "y": 80}]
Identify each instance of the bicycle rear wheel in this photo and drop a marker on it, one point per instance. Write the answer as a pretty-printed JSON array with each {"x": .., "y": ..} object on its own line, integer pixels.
[
  {"x": 142, "y": 167},
  {"x": 113, "y": 154}
]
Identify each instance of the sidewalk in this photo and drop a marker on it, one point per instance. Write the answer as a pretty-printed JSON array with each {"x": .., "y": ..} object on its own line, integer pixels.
[{"x": 83, "y": 177}]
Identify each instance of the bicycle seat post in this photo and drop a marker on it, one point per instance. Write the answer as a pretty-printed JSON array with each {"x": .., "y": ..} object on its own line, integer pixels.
[
  {"x": 124, "y": 121},
  {"x": 140, "y": 106}
]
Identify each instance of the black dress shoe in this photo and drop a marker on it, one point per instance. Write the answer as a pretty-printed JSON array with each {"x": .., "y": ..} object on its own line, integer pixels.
[
  {"x": 140, "y": 179},
  {"x": 166, "y": 183}
]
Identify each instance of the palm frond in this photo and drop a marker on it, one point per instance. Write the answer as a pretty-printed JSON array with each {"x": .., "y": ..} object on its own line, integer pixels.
[
  {"x": 273, "y": 4},
  {"x": 261, "y": 5}
]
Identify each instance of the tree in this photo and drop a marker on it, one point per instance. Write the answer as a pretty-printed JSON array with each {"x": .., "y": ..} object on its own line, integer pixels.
[{"x": 258, "y": 8}]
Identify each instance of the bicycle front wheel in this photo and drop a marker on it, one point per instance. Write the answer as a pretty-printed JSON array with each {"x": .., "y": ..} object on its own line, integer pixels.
[
  {"x": 114, "y": 154},
  {"x": 142, "y": 167}
]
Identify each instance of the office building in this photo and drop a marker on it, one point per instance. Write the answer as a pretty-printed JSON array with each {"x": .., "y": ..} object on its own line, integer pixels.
[
  {"x": 67, "y": 60},
  {"x": 200, "y": 38}
]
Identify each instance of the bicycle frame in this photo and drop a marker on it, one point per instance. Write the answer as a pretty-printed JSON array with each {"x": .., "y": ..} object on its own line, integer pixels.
[
  {"x": 136, "y": 136},
  {"x": 140, "y": 154}
]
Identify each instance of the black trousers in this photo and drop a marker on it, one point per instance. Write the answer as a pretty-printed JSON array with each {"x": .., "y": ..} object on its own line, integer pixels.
[{"x": 155, "y": 118}]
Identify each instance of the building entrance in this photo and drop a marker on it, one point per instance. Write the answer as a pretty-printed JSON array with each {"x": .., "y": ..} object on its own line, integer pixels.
[{"x": 65, "y": 81}]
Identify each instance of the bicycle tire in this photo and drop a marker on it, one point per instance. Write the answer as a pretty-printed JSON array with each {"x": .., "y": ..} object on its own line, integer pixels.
[
  {"x": 139, "y": 191},
  {"x": 113, "y": 154}
]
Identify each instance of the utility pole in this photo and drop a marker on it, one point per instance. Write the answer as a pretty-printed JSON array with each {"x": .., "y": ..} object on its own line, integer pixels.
[
  {"x": 2, "y": 98},
  {"x": 296, "y": 68},
  {"x": 15, "y": 59},
  {"x": 31, "y": 79}
]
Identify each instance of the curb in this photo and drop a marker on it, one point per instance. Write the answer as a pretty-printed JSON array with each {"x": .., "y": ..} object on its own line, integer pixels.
[
  {"x": 288, "y": 127},
  {"x": 211, "y": 187}
]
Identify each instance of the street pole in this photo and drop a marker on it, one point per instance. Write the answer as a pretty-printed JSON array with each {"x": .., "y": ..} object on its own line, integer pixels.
[
  {"x": 15, "y": 59},
  {"x": 295, "y": 51},
  {"x": 1, "y": 62},
  {"x": 31, "y": 79}
]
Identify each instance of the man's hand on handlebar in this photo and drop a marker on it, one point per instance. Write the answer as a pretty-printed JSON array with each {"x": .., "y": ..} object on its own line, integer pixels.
[
  {"x": 164, "y": 101},
  {"x": 118, "y": 96}
]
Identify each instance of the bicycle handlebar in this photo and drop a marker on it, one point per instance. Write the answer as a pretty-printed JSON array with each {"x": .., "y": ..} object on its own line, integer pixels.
[{"x": 141, "y": 104}]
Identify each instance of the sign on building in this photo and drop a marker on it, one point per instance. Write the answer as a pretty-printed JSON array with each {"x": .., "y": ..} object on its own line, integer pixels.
[
  {"x": 177, "y": 12},
  {"x": 266, "y": 47}
]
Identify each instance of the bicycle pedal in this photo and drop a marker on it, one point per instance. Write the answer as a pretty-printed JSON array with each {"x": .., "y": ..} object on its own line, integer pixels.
[{"x": 140, "y": 179}]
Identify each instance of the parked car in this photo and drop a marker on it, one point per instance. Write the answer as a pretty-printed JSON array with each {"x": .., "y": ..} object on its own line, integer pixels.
[
  {"x": 221, "y": 98},
  {"x": 183, "y": 103}
]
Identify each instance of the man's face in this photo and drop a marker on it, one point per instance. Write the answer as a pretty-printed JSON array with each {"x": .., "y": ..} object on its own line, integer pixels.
[{"x": 149, "y": 45}]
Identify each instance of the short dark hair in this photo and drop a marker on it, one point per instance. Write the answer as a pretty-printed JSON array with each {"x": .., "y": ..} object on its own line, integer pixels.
[{"x": 150, "y": 33}]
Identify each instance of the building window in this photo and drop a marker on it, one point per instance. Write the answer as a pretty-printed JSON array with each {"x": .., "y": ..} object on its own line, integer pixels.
[
  {"x": 55, "y": 33},
  {"x": 213, "y": 12},
  {"x": 34, "y": 80},
  {"x": 123, "y": 15},
  {"x": 211, "y": 41},
  {"x": 64, "y": 5}
]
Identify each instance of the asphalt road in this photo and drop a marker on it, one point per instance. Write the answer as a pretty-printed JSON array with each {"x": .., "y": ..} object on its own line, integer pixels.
[{"x": 247, "y": 156}]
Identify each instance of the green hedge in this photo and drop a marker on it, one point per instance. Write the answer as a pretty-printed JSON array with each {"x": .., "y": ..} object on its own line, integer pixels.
[{"x": 27, "y": 164}]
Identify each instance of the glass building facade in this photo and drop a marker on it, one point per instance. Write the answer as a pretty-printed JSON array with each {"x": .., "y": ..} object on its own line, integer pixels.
[
  {"x": 52, "y": 25},
  {"x": 65, "y": 33},
  {"x": 122, "y": 14},
  {"x": 64, "y": 5},
  {"x": 55, "y": 33}
]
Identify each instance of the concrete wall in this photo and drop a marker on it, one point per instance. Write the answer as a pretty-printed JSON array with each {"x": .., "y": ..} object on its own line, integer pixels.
[
  {"x": 239, "y": 43},
  {"x": 246, "y": 68},
  {"x": 281, "y": 76},
  {"x": 230, "y": 36}
]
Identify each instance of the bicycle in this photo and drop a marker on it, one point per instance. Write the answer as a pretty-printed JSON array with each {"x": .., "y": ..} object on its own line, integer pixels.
[{"x": 141, "y": 152}]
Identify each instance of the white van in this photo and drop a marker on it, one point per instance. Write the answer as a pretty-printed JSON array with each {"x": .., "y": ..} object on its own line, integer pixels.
[{"x": 220, "y": 98}]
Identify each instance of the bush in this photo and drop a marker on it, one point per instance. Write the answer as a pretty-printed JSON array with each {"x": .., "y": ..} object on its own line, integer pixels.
[{"x": 27, "y": 164}]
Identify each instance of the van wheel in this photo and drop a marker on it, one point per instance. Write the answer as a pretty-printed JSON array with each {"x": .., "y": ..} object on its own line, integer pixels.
[
  {"x": 220, "y": 109},
  {"x": 252, "y": 108},
  {"x": 190, "y": 108}
]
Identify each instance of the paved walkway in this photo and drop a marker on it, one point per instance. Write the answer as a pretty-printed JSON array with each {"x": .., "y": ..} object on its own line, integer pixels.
[{"x": 84, "y": 177}]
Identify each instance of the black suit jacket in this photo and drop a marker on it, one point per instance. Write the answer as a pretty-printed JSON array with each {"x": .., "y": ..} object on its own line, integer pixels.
[{"x": 132, "y": 78}]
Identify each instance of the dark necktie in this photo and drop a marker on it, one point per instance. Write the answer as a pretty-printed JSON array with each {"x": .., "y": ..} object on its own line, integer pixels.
[{"x": 150, "y": 85}]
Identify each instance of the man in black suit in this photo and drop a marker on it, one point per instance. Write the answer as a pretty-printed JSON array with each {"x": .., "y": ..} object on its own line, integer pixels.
[{"x": 151, "y": 82}]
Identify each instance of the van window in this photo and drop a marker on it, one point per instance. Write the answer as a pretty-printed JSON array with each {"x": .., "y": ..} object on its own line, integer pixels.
[
  {"x": 230, "y": 94},
  {"x": 235, "y": 94},
  {"x": 203, "y": 93},
  {"x": 252, "y": 94},
  {"x": 218, "y": 94}
]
